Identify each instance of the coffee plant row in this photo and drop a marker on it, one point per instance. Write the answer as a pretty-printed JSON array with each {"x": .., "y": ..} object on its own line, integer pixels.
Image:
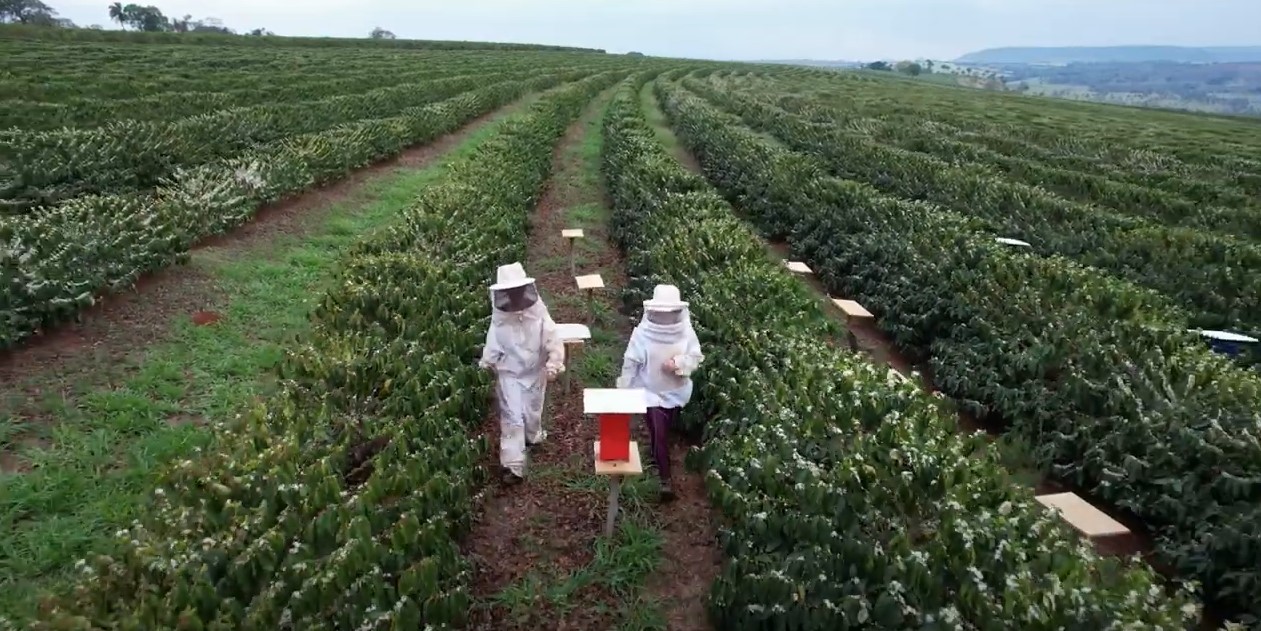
[
  {"x": 60, "y": 259},
  {"x": 1206, "y": 273},
  {"x": 337, "y": 503},
  {"x": 154, "y": 87},
  {"x": 219, "y": 41},
  {"x": 849, "y": 499},
  {"x": 1151, "y": 145},
  {"x": 1175, "y": 200},
  {"x": 1099, "y": 374},
  {"x": 129, "y": 155}
]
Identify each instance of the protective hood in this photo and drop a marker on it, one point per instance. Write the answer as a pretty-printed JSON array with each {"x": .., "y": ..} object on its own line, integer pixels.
[
  {"x": 657, "y": 333},
  {"x": 535, "y": 311}
]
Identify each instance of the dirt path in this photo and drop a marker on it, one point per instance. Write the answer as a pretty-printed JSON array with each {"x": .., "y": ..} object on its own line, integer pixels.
[
  {"x": 538, "y": 548},
  {"x": 107, "y": 344}
]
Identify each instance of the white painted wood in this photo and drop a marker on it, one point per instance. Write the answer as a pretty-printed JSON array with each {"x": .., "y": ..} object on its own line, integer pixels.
[
  {"x": 614, "y": 401},
  {"x": 1015, "y": 242},
  {"x": 570, "y": 333},
  {"x": 1226, "y": 336},
  {"x": 852, "y": 309},
  {"x": 797, "y": 267},
  {"x": 1086, "y": 519},
  {"x": 590, "y": 281}
]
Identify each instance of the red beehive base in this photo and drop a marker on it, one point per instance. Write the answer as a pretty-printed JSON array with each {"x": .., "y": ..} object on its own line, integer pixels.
[{"x": 615, "y": 437}]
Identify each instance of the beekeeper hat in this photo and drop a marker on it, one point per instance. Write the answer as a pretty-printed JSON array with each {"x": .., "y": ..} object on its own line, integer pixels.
[
  {"x": 664, "y": 298},
  {"x": 511, "y": 276}
]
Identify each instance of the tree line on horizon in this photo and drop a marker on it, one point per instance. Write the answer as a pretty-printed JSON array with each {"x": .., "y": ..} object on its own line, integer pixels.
[{"x": 146, "y": 18}]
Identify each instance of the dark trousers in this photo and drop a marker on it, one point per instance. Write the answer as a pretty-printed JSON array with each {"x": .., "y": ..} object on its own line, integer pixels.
[{"x": 659, "y": 422}]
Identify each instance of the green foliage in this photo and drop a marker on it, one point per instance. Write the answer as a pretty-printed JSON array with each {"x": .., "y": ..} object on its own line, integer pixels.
[
  {"x": 218, "y": 39},
  {"x": 31, "y": 12},
  {"x": 1200, "y": 270},
  {"x": 105, "y": 205},
  {"x": 162, "y": 89},
  {"x": 910, "y": 67},
  {"x": 850, "y": 499},
  {"x": 337, "y": 503},
  {"x": 1098, "y": 375},
  {"x": 142, "y": 18},
  {"x": 130, "y": 156}
]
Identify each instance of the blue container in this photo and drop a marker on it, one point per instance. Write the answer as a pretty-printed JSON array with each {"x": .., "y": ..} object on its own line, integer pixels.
[{"x": 1227, "y": 343}]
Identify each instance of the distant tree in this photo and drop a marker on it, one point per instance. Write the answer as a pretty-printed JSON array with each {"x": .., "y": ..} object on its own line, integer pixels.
[
  {"x": 634, "y": 54},
  {"x": 149, "y": 19},
  {"x": 261, "y": 32},
  {"x": 210, "y": 25},
  {"x": 910, "y": 68},
  {"x": 116, "y": 13},
  {"x": 380, "y": 33},
  {"x": 878, "y": 65},
  {"x": 29, "y": 12},
  {"x": 928, "y": 66},
  {"x": 187, "y": 24}
]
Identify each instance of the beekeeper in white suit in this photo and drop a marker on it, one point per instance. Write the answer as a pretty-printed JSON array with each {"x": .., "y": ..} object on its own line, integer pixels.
[
  {"x": 662, "y": 355},
  {"x": 525, "y": 351}
]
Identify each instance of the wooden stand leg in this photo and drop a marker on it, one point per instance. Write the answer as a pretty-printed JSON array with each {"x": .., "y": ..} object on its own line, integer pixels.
[
  {"x": 572, "y": 268},
  {"x": 615, "y": 492},
  {"x": 573, "y": 352}
]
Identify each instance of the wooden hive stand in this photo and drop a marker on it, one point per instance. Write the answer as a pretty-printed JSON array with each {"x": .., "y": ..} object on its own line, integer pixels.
[
  {"x": 574, "y": 336},
  {"x": 1093, "y": 524},
  {"x": 797, "y": 267},
  {"x": 571, "y": 235},
  {"x": 616, "y": 455},
  {"x": 588, "y": 284},
  {"x": 854, "y": 313}
]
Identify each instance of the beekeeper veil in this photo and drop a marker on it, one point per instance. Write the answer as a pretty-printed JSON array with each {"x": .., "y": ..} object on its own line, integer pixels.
[
  {"x": 513, "y": 290},
  {"x": 666, "y": 317}
]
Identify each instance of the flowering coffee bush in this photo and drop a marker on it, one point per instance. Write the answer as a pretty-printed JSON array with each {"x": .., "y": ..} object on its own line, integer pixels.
[
  {"x": 61, "y": 257},
  {"x": 1098, "y": 373},
  {"x": 850, "y": 501},
  {"x": 337, "y": 503}
]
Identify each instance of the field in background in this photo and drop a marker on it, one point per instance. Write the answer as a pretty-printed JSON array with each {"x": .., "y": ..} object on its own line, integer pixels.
[{"x": 297, "y": 437}]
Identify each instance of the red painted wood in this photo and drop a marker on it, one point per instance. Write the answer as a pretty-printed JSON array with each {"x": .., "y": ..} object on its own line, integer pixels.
[{"x": 615, "y": 437}]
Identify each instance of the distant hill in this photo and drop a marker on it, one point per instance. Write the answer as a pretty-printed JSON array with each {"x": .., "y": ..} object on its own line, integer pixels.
[{"x": 1112, "y": 54}]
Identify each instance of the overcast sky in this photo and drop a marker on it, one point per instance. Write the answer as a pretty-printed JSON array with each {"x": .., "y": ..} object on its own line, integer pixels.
[{"x": 743, "y": 29}]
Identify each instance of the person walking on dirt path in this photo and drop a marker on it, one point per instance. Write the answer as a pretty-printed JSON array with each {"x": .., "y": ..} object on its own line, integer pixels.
[
  {"x": 525, "y": 351},
  {"x": 662, "y": 355}
]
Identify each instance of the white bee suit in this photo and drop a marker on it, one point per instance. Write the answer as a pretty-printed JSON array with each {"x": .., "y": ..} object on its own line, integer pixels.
[
  {"x": 524, "y": 349},
  {"x": 652, "y": 344}
]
